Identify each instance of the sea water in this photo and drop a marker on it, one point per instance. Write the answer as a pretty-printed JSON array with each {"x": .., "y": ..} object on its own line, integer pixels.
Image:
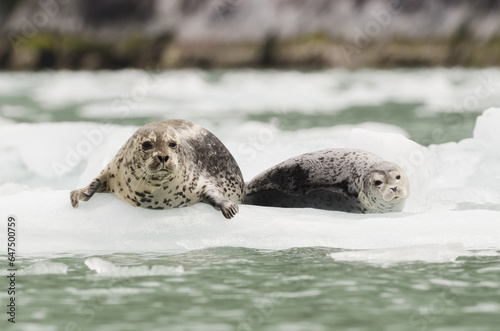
[{"x": 110, "y": 266}]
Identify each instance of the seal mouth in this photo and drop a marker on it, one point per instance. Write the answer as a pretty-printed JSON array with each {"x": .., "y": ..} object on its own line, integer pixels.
[
  {"x": 160, "y": 169},
  {"x": 392, "y": 199},
  {"x": 162, "y": 173}
]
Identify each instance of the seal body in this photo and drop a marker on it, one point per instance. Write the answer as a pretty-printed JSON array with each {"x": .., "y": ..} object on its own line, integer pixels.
[
  {"x": 171, "y": 164},
  {"x": 348, "y": 180}
]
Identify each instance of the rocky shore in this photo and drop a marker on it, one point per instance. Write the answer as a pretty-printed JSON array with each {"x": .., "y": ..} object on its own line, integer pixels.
[{"x": 114, "y": 34}]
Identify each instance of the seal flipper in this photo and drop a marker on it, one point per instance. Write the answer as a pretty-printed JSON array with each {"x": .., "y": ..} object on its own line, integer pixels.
[
  {"x": 216, "y": 199},
  {"x": 99, "y": 184}
]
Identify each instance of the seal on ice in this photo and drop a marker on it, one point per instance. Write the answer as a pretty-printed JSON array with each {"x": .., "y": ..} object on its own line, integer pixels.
[
  {"x": 348, "y": 180},
  {"x": 171, "y": 164}
]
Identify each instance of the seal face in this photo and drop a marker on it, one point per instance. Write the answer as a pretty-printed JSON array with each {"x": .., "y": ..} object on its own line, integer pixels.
[
  {"x": 335, "y": 179},
  {"x": 170, "y": 164}
]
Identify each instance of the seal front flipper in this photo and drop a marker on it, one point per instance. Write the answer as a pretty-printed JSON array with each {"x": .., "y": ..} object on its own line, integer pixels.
[
  {"x": 216, "y": 199},
  {"x": 99, "y": 184}
]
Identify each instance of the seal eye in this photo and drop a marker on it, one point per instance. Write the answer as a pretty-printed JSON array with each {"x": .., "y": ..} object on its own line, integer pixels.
[
  {"x": 377, "y": 183},
  {"x": 398, "y": 177},
  {"x": 147, "y": 145},
  {"x": 172, "y": 144}
]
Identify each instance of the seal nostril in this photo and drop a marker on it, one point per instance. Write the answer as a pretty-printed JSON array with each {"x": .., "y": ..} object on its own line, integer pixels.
[
  {"x": 394, "y": 188},
  {"x": 163, "y": 159}
]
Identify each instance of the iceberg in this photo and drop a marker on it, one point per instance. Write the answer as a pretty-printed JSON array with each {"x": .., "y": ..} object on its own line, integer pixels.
[{"x": 455, "y": 197}]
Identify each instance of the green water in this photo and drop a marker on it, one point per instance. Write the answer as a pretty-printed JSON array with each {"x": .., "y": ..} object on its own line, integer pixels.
[
  {"x": 247, "y": 289},
  {"x": 425, "y": 130}
]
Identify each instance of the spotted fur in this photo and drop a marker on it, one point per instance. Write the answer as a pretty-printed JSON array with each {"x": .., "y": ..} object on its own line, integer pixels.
[
  {"x": 171, "y": 164},
  {"x": 335, "y": 179}
]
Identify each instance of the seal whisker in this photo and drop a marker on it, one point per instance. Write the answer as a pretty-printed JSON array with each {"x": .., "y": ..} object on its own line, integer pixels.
[
  {"x": 139, "y": 172},
  {"x": 141, "y": 180},
  {"x": 139, "y": 175}
]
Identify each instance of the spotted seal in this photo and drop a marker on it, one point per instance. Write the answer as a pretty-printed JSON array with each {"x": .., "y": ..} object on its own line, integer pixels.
[
  {"x": 348, "y": 180},
  {"x": 170, "y": 164}
]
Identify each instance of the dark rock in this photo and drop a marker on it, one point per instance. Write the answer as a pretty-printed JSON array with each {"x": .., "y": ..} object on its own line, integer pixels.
[{"x": 116, "y": 12}]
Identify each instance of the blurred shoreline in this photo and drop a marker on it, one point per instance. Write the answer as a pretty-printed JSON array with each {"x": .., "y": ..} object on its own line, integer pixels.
[{"x": 167, "y": 34}]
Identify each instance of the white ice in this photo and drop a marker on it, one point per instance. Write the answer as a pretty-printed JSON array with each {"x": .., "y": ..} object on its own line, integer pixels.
[
  {"x": 455, "y": 196},
  {"x": 429, "y": 253},
  {"x": 107, "y": 268}
]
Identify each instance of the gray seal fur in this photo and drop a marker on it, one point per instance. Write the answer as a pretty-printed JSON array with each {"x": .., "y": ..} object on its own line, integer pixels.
[
  {"x": 170, "y": 164},
  {"x": 341, "y": 179}
]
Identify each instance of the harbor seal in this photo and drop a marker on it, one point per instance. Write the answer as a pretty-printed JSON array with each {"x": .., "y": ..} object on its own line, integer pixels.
[
  {"x": 170, "y": 164},
  {"x": 348, "y": 180}
]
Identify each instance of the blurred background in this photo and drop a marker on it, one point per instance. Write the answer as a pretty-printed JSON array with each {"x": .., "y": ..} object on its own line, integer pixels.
[{"x": 114, "y": 34}]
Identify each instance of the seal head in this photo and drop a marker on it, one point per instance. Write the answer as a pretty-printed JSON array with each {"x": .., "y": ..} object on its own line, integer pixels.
[
  {"x": 154, "y": 154},
  {"x": 385, "y": 188}
]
